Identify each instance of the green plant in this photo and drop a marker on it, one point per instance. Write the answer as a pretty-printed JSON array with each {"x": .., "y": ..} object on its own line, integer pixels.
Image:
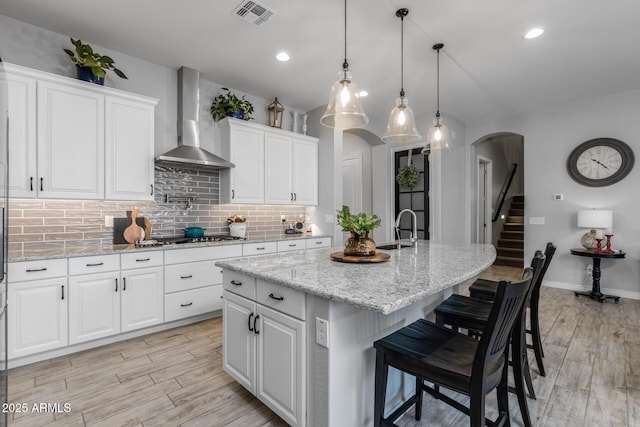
[
  {"x": 84, "y": 56},
  {"x": 228, "y": 102},
  {"x": 358, "y": 223},
  {"x": 407, "y": 176}
]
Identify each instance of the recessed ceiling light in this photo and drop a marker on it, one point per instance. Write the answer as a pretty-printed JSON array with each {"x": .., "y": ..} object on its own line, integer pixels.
[
  {"x": 533, "y": 33},
  {"x": 282, "y": 56},
  {"x": 363, "y": 93}
]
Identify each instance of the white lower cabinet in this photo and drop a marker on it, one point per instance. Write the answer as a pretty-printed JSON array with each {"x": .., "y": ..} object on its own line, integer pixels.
[
  {"x": 264, "y": 350},
  {"x": 37, "y": 317},
  {"x": 142, "y": 298}
]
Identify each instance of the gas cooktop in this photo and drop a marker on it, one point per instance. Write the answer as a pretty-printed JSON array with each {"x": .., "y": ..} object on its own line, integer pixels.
[{"x": 169, "y": 241}]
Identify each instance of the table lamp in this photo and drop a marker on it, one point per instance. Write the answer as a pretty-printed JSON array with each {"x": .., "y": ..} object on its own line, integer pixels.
[{"x": 594, "y": 219}]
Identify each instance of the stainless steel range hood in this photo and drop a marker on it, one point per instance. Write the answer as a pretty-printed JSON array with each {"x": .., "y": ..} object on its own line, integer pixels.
[{"x": 188, "y": 154}]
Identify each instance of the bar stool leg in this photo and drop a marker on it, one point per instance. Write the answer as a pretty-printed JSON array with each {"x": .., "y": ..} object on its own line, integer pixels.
[
  {"x": 535, "y": 338},
  {"x": 502, "y": 391},
  {"x": 518, "y": 377},
  {"x": 419, "y": 395},
  {"x": 382, "y": 371}
]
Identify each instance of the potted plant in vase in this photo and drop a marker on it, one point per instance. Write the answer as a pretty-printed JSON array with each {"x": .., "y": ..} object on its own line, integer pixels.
[
  {"x": 359, "y": 225},
  {"x": 228, "y": 104},
  {"x": 91, "y": 66}
]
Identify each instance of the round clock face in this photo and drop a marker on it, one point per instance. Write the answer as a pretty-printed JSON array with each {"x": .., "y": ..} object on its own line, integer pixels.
[{"x": 600, "y": 162}]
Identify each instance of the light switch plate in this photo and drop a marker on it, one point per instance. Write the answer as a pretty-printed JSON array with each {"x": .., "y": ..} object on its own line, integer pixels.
[{"x": 536, "y": 220}]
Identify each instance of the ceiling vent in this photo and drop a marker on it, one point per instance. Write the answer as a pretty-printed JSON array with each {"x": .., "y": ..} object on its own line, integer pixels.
[{"x": 253, "y": 12}]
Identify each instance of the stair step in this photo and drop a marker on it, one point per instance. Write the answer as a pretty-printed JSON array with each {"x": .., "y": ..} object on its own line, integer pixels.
[
  {"x": 518, "y": 199},
  {"x": 511, "y": 243},
  {"x": 510, "y": 252},
  {"x": 516, "y": 235},
  {"x": 517, "y": 205},
  {"x": 511, "y": 226},
  {"x": 513, "y": 262},
  {"x": 516, "y": 212},
  {"x": 515, "y": 219}
]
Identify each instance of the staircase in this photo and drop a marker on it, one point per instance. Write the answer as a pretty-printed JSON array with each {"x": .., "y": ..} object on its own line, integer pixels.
[{"x": 510, "y": 249}]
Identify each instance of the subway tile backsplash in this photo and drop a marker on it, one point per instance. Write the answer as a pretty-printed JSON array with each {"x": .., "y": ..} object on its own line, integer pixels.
[{"x": 51, "y": 224}]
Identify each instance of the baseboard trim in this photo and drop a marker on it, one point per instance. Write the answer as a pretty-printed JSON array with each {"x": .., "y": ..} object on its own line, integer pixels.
[{"x": 577, "y": 287}]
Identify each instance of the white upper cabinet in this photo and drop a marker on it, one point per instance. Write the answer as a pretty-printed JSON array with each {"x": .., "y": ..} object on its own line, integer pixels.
[
  {"x": 129, "y": 146},
  {"x": 273, "y": 166},
  {"x": 70, "y": 142},
  {"x": 243, "y": 145},
  {"x": 22, "y": 136},
  {"x": 58, "y": 130}
]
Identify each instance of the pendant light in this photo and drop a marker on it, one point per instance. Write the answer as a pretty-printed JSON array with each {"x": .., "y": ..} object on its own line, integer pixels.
[
  {"x": 438, "y": 137},
  {"x": 344, "y": 109},
  {"x": 401, "y": 127}
]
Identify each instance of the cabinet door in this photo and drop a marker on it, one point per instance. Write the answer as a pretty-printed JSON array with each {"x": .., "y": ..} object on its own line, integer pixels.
[
  {"x": 129, "y": 149},
  {"x": 142, "y": 298},
  {"x": 305, "y": 172},
  {"x": 280, "y": 381},
  {"x": 22, "y": 136},
  {"x": 239, "y": 342},
  {"x": 277, "y": 157},
  {"x": 70, "y": 142},
  {"x": 247, "y": 178},
  {"x": 37, "y": 318},
  {"x": 94, "y": 306}
]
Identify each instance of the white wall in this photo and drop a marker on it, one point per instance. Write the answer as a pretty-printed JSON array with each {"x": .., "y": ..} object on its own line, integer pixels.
[
  {"x": 355, "y": 146},
  {"x": 549, "y": 136}
]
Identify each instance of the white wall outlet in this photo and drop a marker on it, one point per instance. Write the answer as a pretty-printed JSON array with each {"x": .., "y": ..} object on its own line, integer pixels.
[
  {"x": 328, "y": 218},
  {"x": 283, "y": 218},
  {"x": 558, "y": 197},
  {"x": 536, "y": 220},
  {"x": 322, "y": 332},
  {"x": 108, "y": 221}
]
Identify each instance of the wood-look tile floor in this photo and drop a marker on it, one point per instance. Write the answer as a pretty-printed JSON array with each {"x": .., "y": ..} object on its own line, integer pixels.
[{"x": 175, "y": 377}]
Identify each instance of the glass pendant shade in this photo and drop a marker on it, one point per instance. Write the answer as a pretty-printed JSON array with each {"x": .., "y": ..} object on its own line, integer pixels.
[
  {"x": 402, "y": 125},
  {"x": 438, "y": 137},
  {"x": 344, "y": 109}
]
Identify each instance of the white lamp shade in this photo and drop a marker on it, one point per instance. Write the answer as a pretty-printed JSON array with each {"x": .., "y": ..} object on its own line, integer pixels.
[
  {"x": 438, "y": 136},
  {"x": 344, "y": 110},
  {"x": 402, "y": 126},
  {"x": 595, "y": 218}
]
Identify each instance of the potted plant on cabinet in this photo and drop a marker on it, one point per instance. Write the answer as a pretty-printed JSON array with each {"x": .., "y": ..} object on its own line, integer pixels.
[
  {"x": 91, "y": 66},
  {"x": 359, "y": 225},
  {"x": 229, "y": 104}
]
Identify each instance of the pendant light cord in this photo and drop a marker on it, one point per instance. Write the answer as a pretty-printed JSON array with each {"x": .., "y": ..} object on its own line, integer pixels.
[
  {"x": 345, "y": 65},
  {"x": 402, "y": 58},
  {"x": 437, "y": 48}
]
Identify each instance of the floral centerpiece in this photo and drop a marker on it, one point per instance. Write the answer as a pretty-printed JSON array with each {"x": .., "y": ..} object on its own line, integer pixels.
[{"x": 359, "y": 225}]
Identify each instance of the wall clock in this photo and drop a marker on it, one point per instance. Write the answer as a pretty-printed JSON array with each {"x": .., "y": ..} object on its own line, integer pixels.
[{"x": 600, "y": 162}]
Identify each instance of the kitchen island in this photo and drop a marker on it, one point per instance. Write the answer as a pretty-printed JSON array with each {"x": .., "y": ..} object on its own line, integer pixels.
[{"x": 299, "y": 328}]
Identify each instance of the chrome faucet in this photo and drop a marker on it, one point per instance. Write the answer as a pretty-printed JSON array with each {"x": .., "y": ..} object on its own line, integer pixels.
[{"x": 413, "y": 237}]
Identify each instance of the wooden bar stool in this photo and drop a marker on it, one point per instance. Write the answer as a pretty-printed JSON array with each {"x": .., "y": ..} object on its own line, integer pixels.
[
  {"x": 453, "y": 360},
  {"x": 486, "y": 289},
  {"x": 473, "y": 314}
]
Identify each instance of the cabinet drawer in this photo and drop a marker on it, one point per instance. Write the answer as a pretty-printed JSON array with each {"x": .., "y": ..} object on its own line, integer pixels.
[
  {"x": 262, "y": 248},
  {"x": 177, "y": 256},
  {"x": 180, "y": 277},
  {"x": 283, "y": 299},
  {"x": 191, "y": 303},
  {"x": 35, "y": 270},
  {"x": 240, "y": 284},
  {"x": 141, "y": 259},
  {"x": 319, "y": 242},
  {"x": 93, "y": 264},
  {"x": 291, "y": 245}
]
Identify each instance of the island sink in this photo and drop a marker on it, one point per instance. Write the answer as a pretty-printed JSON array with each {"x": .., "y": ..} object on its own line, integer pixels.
[{"x": 391, "y": 246}]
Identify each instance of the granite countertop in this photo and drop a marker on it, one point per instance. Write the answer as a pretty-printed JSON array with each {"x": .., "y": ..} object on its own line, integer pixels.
[
  {"x": 33, "y": 255},
  {"x": 411, "y": 274}
]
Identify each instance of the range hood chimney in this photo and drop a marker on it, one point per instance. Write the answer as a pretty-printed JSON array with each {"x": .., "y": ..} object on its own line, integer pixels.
[{"x": 188, "y": 154}]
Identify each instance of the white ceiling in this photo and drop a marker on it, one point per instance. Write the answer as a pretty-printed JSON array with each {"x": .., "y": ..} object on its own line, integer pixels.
[{"x": 590, "y": 48}]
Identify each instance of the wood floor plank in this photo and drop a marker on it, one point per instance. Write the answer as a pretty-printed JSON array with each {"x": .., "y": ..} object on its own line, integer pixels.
[
  {"x": 196, "y": 389},
  {"x": 606, "y": 407},
  {"x": 129, "y": 373},
  {"x": 133, "y": 416},
  {"x": 633, "y": 407}
]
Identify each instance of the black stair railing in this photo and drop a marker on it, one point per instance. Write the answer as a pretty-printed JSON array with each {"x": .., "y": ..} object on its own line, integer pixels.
[{"x": 503, "y": 192}]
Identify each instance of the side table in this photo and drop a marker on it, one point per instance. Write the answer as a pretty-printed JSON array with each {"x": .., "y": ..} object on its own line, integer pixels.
[{"x": 597, "y": 256}]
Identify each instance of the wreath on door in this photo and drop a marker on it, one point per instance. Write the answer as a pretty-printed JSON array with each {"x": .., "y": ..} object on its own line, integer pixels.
[{"x": 407, "y": 175}]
